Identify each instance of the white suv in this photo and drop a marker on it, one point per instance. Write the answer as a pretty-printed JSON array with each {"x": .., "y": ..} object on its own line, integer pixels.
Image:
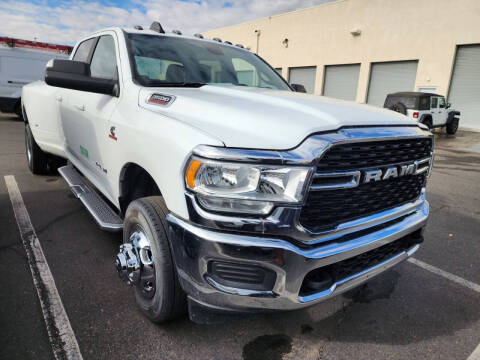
[
  {"x": 429, "y": 109},
  {"x": 234, "y": 193}
]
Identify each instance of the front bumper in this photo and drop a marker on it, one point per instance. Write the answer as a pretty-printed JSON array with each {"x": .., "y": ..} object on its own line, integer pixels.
[{"x": 194, "y": 247}]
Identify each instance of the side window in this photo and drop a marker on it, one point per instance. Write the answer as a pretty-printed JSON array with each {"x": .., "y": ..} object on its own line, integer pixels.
[
  {"x": 424, "y": 105},
  {"x": 434, "y": 102},
  {"x": 83, "y": 50},
  {"x": 104, "y": 60},
  {"x": 246, "y": 73},
  {"x": 441, "y": 102}
]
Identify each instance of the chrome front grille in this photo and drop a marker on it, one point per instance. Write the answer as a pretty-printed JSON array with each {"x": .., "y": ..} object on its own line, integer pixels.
[{"x": 338, "y": 193}]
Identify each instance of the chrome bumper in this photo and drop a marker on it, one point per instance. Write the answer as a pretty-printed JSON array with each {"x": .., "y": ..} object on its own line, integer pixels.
[{"x": 194, "y": 246}]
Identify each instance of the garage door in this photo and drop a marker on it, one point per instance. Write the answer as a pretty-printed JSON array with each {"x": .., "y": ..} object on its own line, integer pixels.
[
  {"x": 390, "y": 77},
  {"x": 304, "y": 76},
  {"x": 464, "y": 92},
  {"x": 341, "y": 81}
]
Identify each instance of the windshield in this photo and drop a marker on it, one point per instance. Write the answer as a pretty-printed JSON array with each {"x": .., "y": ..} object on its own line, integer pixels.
[
  {"x": 176, "y": 61},
  {"x": 410, "y": 102}
]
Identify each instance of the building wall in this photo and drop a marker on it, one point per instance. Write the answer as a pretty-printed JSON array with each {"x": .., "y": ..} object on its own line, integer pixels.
[{"x": 391, "y": 30}]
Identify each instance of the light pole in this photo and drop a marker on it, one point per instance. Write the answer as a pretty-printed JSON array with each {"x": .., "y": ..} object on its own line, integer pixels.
[{"x": 257, "y": 32}]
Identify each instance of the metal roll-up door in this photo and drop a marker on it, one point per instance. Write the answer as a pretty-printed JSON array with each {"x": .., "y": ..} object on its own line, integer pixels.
[
  {"x": 389, "y": 77},
  {"x": 304, "y": 76},
  {"x": 464, "y": 92},
  {"x": 341, "y": 81}
]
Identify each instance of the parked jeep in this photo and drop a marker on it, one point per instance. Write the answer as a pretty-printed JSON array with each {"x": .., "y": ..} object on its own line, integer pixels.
[
  {"x": 234, "y": 193},
  {"x": 429, "y": 109}
]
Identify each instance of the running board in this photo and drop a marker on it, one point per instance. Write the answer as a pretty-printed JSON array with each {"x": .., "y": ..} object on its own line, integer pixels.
[{"x": 103, "y": 214}]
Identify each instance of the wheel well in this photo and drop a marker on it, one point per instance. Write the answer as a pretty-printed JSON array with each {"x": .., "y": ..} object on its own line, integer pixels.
[
  {"x": 24, "y": 112},
  {"x": 425, "y": 118},
  {"x": 135, "y": 183}
]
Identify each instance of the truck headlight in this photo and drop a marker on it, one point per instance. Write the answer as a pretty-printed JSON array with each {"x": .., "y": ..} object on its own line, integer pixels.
[{"x": 245, "y": 188}]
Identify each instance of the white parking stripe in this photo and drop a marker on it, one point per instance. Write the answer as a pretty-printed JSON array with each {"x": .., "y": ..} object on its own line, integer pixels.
[
  {"x": 476, "y": 354},
  {"x": 60, "y": 333},
  {"x": 457, "y": 279},
  {"x": 447, "y": 275}
]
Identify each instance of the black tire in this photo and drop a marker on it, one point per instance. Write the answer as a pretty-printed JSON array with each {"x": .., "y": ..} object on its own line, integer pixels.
[
  {"x": 428, "y": 122},
  {"x": 54, "y": 162},
  {"x": 168, "y": 301},
  {"x": 399, "y": 107},
  {"x": 452, "y": 126},
  {"x": 18, "y": 110},
  {"x": 37, "y": 159}
]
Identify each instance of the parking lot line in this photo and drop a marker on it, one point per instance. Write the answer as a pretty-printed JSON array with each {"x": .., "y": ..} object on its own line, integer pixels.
[
  {"x": 60, "y": 332},
  {"x": 476, "y": 354},
  {"x": 475, "y": 287},
  {"x": 447, "y": 275}
]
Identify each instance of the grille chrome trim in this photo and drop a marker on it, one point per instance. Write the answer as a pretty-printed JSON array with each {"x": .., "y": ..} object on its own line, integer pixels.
[
  {"x": 366, "y": 222},
  {"x": 353, "y": 182},
  {"x": 425, "y": 168}
]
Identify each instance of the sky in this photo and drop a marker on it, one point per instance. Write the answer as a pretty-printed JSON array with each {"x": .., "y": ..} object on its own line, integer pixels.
[{"x": 64, "y": 22}]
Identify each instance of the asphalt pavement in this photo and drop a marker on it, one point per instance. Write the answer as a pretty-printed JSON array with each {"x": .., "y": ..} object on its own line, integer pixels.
[{"x": 408, "y": 312}]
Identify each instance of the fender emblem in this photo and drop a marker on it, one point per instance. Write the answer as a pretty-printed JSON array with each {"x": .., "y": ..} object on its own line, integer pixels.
[
  {"x": 161, "y": 99},
  {"x": 112, "y": 133}
]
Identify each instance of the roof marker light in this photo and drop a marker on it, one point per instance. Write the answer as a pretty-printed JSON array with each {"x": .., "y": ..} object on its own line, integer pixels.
[
  {"x": 138, "y": 27},
  {"x": 178, "y": 32},
  {"x": 217, "y": 39},
  {"x": 198, "y": 35},
  {"x": 240, "y": 46},
  {"x": 227, "y": 42}
]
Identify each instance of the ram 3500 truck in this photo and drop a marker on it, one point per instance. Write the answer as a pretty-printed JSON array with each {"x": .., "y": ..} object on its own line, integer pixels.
[{"x": 234, "y": 193}]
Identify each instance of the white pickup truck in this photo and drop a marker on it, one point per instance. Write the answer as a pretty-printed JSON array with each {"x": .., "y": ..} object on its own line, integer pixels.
[{"x": 234, "y": 193}]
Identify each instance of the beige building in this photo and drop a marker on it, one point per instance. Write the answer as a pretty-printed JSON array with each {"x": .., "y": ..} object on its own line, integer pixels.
[{"x": 363, "y": 49}]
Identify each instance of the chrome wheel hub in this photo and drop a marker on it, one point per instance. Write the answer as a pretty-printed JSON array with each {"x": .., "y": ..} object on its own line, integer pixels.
[{"x": 134, "y": 263}]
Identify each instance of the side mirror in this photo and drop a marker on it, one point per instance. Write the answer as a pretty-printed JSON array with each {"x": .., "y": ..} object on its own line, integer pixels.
[
  {"x": 75, "y": 75},
  {"x": 298, "y": 88},
  {"x": 448, "y": 105}
]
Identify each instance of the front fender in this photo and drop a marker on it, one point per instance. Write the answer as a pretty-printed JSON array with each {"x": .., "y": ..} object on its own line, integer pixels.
[{"x": 161, "y": 146}]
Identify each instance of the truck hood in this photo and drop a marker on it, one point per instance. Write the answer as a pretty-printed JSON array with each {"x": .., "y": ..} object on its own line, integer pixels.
[{"x": 248, "y": 117}]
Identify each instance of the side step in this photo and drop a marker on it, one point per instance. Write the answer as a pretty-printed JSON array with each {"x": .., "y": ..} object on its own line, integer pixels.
[{"x": 103, "y": 214}]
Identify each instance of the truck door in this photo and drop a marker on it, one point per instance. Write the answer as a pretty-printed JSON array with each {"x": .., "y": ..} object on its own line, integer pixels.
[
  {"x": 86, "y": 115},
  {"x": 434, "y": 110},
  {"x": 442, "y": 111}
]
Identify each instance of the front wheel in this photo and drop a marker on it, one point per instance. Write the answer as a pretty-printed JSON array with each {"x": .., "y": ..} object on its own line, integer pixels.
[
  {"x": 156, "y": 286},
  {"x": 452, "y": 127},
  {"x": 18, "y": 110},
  {"x": 429, "y": 124}
]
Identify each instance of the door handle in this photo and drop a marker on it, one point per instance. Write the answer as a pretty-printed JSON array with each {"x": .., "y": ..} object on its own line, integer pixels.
[
  {"x": 58, "y": 98},
  {"x": 80, "y": 107}
]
